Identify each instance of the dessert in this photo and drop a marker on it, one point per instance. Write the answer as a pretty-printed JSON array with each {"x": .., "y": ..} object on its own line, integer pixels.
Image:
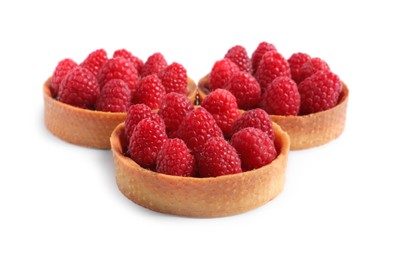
[
  {"x": 199, "y": 197},
  {"x": 301, "y": 93},
  {"x": 83, "y": 103},
  {"x": 186, "y": 168}
]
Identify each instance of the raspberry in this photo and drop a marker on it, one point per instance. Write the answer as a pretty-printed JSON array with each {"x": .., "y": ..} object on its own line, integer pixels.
[
  {"x": 137, "y": 63},
  {"x": 146, "y": 141},
  {"x": 256, "y": 118},
  {"x": 281, "y": 97},
  {"x": 222, "y": 71},
  {"x": 296, "y": 61},
  {"x": 319, "y": 92},
  {"x": 119, "y": 68},
  {"x": 95, "y": 61},
  {"x": 198, "y": 127},
  {"x": 137, "y": 113},
  {"x": 224, "y": 109},
  {"x": 150, "y": 92},
  {"x": 79, "y": 88},
  {"x": 174, "y": 158},
  {"x": 254, "y": 147},
  {"x": 154, "y": 64},
  {"x": 174, "y": 78},
  {"x": 311, "y": 67},
  {"x": 271, "y": 66},
  {"x": 239, "y": 56},
  {"x": 246, "y": 90},
  {"x": 262, "y": 48},
  {"x": 61, "y": 70},
  {"x": 218, "y": 158},
  {"x": 174, "y": 107},
  {"x": 115, "y": 96}
]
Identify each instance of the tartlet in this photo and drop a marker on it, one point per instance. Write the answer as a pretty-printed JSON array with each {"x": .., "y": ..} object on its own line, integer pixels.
[
  {"x": 199, "y": 197},
  {"x": 86, "y": 127},
  {"x": 305, "y": 131}
]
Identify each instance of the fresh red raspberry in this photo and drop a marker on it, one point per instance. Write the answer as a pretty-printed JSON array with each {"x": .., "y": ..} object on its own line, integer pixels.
[
  {"x": 119, "y": 68},
  {"x": 239, "y": 56},
  {"x": 218, "y": 158},
  {"x": 174, "y": 107},
  {"x": 224, "y": 109},
  {"x": 137, "y": 113},
  {"x": 61, "y": 70},
  {"x": 146, "y": 141},
  {"x": 154, "y": 64},
  {"x": 174, "y": 78},
  {"x": 319, "y": 92},
  {"x": 296, "y": 61},
  {"x": 174, "y": 158},
  {"x": 257, "y": 118},
  {"x": 115, "y": 96},
  {"x": 281, "y": 97},
  {"x": 271, "y": 66},
  {"x": 137, "y": 63},
  {"x": 198, "y": 127},
  {"x": 246, "y": 90},
  {"x": 79, "y": 88},
  {"x": 150, "y": 92},
  {"x": 254, "y": 147},
  {"x": 222, "y": 71},
  {"x": 311, "y": 67},
  {"x": 262, "y": 48},
  {"x": 95, "y": 60}
]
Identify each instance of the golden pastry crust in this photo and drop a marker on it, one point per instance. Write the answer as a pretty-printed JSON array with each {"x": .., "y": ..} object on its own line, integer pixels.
[
  {"x": 82, "y": 126},
  {"x": 200, "y": 197},
  {"x": 309, "y": 130}
]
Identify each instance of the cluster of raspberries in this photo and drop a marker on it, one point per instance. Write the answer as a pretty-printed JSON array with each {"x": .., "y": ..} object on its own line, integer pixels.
[
  {"x": 215, "y": 138},
  {"x": 299, "y": 85},
  {"x": 207, "y": 141},
  {"x": 113, "y": 84}
]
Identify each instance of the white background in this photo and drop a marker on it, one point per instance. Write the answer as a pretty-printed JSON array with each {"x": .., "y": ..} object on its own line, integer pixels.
[{"x": 60, "y": 201}]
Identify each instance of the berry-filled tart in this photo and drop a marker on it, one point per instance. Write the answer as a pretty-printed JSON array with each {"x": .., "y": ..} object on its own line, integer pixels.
[
  {"x": 83, "y": 103},
  {"x": 301, "y": 94},
  {"x": 200, "y": 161}
]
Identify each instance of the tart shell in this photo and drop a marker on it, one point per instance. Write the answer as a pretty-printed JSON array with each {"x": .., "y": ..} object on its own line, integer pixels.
[
  {"x": 199, "y": 197},
  {"x": 86, "y": 127},
  {"x": 305, "y": 131}
]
